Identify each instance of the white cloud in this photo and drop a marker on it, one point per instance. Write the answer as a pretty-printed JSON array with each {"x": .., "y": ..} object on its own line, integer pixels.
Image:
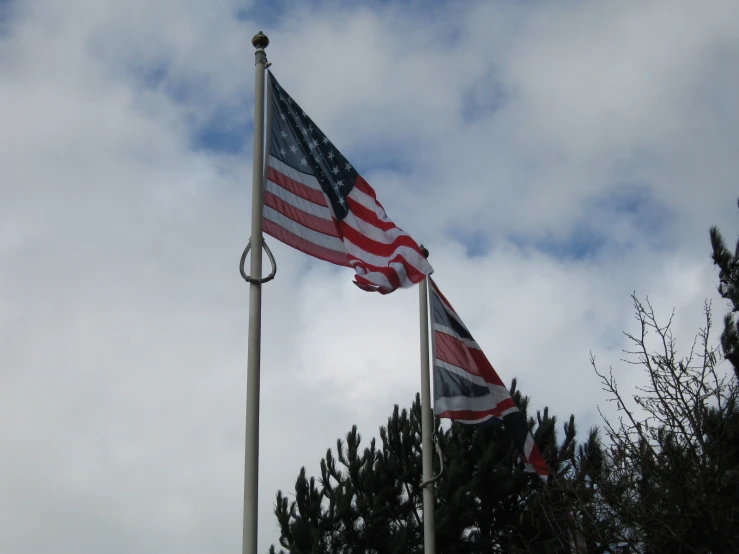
[{"x": 123, "y": 321}]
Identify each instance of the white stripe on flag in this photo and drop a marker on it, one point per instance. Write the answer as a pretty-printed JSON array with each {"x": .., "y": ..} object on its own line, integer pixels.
[
  {"x": 375, "y": 277},
  {"x": 510, "y": 410},
  {"x": 297, "y": 202},
  {"x": 476, "y": 421},
  {"x": 528, "y": 446},
  {"x": 370, "y": 203},
  {"x": 496, "y": 391},
  {"x": 332, "y": 243},
  {"x": 380, "y": 279},
  {"x": 448, "y": 331},
  {"x": 370, "y": 231},
  {"x": 289, "y": 171},
  {"x": 410, "y": 255},
  {"x": 477, "y": 404},
  {"x": 449, "y": 310}
]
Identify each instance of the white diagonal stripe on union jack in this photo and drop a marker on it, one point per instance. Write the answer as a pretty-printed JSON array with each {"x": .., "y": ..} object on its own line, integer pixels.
[{"x": 467, "y": 388}]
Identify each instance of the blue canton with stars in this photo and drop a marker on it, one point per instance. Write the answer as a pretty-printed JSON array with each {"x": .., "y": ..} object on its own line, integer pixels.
[{"x": 296, "y": 141}]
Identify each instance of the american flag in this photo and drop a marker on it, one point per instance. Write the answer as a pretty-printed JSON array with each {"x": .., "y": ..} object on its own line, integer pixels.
[
  {"x": 315, "y": 201},
  {"x": 467, "y": 388}
]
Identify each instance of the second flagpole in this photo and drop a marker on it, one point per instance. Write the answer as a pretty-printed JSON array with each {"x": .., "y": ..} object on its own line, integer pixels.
[{"x": 427, "y": 421}]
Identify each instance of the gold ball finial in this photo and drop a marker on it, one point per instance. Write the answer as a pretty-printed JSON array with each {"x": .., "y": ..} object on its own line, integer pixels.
[{"x": 260, "y": 40}]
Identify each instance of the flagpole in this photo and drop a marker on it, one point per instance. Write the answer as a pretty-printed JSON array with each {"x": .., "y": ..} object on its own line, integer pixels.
[
  {"x": 427, "y": 447},
  {"x": 251, "y": 442}
]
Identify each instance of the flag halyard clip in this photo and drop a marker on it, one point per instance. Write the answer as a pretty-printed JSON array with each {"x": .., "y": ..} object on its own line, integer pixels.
[
  {"x": 260, "y": 280},
  {"x": 439, "y": 453}
]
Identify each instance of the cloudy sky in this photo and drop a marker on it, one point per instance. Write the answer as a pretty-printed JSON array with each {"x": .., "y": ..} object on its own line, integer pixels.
[{"x": 553, "y": 156}]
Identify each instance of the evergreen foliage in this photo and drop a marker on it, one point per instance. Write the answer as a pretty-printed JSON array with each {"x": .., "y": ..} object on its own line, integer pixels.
[
  {"x": 369, "y": 500},
  {"x": 728, "y": 265},
  {"x": 661, "y": 477}
]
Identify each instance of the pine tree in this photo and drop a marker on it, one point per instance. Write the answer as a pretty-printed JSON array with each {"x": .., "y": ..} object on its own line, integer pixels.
[
  {"x": 370, "y": 500},
  {"x": 728, "y": 288}
]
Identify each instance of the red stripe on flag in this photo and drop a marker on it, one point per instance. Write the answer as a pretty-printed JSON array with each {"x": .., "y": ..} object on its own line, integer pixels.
[
  {"x": 296, "y": 187},
  {"x": 414, "y": 275},
  {"x": 364, "y": 186},
  {"x": 374, "y": 247},
  {"x": 291, "y": 239},
  {"x": 537, "y": 461},
  {"x": 369, "y": 216},
  {"x": 390, "y": 274},
  {"x": 453, "y": 351},
  {"x": 369, "y": 286},
  {"x": 305, "y": 219}
]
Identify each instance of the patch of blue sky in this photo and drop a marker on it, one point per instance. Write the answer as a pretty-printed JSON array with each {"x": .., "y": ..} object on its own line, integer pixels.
[
  {"x": 267, "y": 13},
  {"x": 221, "y": 135},
  {"x": 270, "y": 13},
  {"x": 582, "y": 242},
  {"x": 425, "y": 12},
  {"x": 378, "y": 157},
  {"x": 274, "y": 9},
  {"x": 157, "y": 76},
  {"x": 476, "y": 242},
  {"x": 370, "y": 152},
  {"x": 7, "y": 15},
  {"x": 153, "y": 76},
  {"x": 484, "y": 97},
  {"x": 610, "y": 224},
  {"x": 229, "y": 127},
  {"x": 636, "y": 202},
  {"x": 226, "y": 129}
]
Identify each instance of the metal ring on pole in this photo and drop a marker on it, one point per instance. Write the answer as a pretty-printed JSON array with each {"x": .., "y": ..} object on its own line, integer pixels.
[
  {"x": 260, "y": 280},
  {"x": 441, "y": 463}
]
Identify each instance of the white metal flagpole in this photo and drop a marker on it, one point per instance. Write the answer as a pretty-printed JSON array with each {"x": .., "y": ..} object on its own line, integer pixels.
[
  {"x": 427, "y": 422},
  {"x": 251, "y": 443}
]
